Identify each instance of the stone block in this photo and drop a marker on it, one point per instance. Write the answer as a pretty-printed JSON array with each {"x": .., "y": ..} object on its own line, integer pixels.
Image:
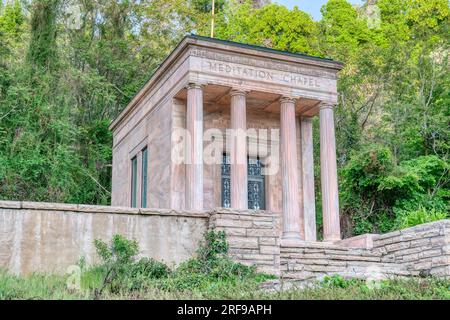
[
  {"x": 446, "y": 249},
  {"x": 323, "y": 262},
  {"x": 243, "y": 250},
  {"x": 412, "y": 250},
  {"x": 438, "y": 241},
  {"x": 243, "y": 242},
  {"x": 388, "y": 235},
  {"x": 324, "y": 269},
  {"x": 398, "y": 246},
  {"x": 269, "y": 249},
  {"x": 410, "y": 257},
  {"x": 306, "y": 255},
  {"x": 365, "y": 241},
  {"x": 262, "y": 232},
  {"x": 10, "y": 204},
  {"x": 233, "y": 223},
  {"x": 423, "y": 265},
  {"x": 263, "y": 257},
  {"x": 430, "y": 253},
  {"x": 50, "y": 206},
  {"x": 439, "y": 261},
  {"x": 272, "y": 270},
  {"x": 303, "y": 275},
  {"x": 263, "y": 225},
  {"x": 420, "y": 243},
  {"x": 231, "y": 231},
  {"x": 441, "y": 272},
  {"x": 269, "y": 241},
  {"x": 356, "y": 258}
]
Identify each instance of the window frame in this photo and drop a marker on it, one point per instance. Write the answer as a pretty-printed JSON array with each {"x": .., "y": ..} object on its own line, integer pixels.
[
  {"x": 144, "y": 177},
  {"x": 134, "y": 182}
]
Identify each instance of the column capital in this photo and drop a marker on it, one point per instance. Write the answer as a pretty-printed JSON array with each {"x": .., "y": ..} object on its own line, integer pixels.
[
  {"x": 194, "y": 85},
  {"x": 286, "y": 99},
  {"x": 327, "y": 105},
  {"x": 238, "y": 92}
]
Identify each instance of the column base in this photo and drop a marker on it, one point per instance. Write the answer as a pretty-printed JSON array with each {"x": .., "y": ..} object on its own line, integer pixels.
[
  {"x": 291, "y": 236},
  {"x": 332, "y": 239}
]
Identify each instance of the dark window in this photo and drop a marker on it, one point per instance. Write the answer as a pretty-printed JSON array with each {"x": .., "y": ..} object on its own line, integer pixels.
[
  {"x": 226, "y": 182},
  {"x": 144, "y": 178},
  {"x": 256, "y": 184},
  {"x": 134, "y": 182}
]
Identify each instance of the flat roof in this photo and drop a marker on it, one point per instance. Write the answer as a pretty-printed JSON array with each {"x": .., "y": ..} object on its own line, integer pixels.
[
  {"x": 185, "y": 42},
  {"x": 260, "y": 48}
]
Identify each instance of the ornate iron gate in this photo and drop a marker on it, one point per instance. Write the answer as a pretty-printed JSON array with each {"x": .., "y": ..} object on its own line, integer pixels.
[{"x": 256, "y": 184}]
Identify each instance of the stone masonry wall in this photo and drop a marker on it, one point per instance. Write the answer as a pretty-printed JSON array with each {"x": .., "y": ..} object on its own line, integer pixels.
[
  {"x": 253, "y": 237},
  {"x": 424, "y": 249},
  {"x": 312, "y": 261},
  {"x": 419, "y": 251}
]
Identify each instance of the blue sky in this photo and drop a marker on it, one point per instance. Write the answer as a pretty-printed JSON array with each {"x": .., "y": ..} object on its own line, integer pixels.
[{"x": 310, "y": 6}]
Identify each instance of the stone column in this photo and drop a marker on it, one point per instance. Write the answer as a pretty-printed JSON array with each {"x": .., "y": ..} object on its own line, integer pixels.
[
  {"x": 309, "y": 197},
  {"x": 289, "y": 171},
  {"x": 239, "y": 184},
  {"x": 330, "y": 194},
  {"x": 194, "y": 166}
]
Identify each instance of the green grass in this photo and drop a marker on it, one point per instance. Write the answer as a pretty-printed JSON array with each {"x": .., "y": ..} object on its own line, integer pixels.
[{"x": 44, "y": 287}]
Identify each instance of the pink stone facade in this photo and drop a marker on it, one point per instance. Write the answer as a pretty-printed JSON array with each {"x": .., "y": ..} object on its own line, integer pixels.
[{"x": 205, "y": 94}]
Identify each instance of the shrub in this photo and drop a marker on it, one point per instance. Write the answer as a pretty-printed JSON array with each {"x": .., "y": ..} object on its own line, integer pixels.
[
  {"x": 212, "y": 267},
  {"x": 378, "y": 194},
  {"x": 420, "y": 216},
  {"x": 150, "y": 268},
  {"x": 121, "y": 270},
  {"x": 213, "y": 260}
]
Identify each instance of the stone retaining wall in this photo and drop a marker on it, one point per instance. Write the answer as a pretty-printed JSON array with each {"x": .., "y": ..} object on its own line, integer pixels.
[
  {"x": 424, "y": 249},
  {"x": 419, "y": 251},
  {"x": 50, "y": 237},
  {"x": 253, "y": 237},
  {"x": 311, "y": 261}
]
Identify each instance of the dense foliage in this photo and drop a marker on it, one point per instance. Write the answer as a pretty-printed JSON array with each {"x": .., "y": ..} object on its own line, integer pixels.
[{"x": 68, "y": 67}]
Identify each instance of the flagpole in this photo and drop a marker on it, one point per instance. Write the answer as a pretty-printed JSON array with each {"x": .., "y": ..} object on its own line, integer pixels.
[{"x": 213, "y": 16}]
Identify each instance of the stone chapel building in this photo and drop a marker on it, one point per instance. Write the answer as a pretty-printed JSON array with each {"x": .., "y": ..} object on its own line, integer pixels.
[
  {"x": 221, "y": 138},
  {"x": 207, "y": 88}
]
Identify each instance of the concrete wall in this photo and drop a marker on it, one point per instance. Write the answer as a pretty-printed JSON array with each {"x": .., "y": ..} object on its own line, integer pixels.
[{"x": 51, "y": 237}]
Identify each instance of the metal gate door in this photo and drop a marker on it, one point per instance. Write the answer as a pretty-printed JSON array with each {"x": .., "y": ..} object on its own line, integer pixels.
[{"x": 256, "y": 184}]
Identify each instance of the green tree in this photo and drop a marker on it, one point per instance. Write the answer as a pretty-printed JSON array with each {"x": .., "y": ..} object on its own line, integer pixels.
[
  {"x": 42, "y": 52},
  {"x": 12, "y": 19},
  {"x": 272, "y": 26}
]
